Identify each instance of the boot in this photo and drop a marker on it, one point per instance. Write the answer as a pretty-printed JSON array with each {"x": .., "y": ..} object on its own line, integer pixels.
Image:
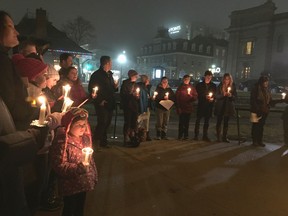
[
  {"x": 224, "y": 137},
  {"x": 205, "y": 133},
  {"x": 218, "y": 134},
  {"x": 158, "y": 135},
  {"x": 148, "y": 138},
  {"x": 163, "y": 135}
]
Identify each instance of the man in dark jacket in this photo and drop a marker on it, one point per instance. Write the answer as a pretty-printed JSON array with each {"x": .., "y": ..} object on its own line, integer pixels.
[
  {"x": 206, "y": 92},
  {"x": 104, "y": 100}
]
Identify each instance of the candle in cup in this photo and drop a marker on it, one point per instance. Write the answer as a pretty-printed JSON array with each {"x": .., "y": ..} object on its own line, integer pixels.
[
  {"x": 87, "y": 153},
  {"x": 155, "y": 94},
  {"x": 189, "y": 90},
  {"x": 210, "y": 94},
  {"x": 167, "y": 94},
  {"x": 228, "y": 89},
  {"x": 116, "y": 78},
  {"x": 42, "y": 114},
  {"x": 137, "y": 91},
  {"x": 283, "y": 95},
  {"x": 66, "y": 90},
  {"x": 95, "y": 89}
]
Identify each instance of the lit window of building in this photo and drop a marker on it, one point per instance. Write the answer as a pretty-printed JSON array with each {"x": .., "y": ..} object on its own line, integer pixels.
[{"x": 248, "y": 49}]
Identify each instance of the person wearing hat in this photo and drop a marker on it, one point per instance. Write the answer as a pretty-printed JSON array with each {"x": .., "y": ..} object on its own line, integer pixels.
[
  {"x": 76, "y": 172},
  {"x": 130, "y": 93},
  {"x": 105, "y": 101},
  {"x": 206, "y": 94}
]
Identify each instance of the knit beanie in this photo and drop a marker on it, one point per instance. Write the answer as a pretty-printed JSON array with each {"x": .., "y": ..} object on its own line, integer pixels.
[
  {"x": 132, "y": 73},
  {"x": 28, "y": 67}
]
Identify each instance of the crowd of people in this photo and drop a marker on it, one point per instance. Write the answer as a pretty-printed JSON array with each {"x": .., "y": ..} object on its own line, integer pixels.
[{"x": 62, "y": 144}]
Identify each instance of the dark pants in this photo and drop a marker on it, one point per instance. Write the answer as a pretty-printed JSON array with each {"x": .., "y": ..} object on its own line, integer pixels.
[
  {"x": 220, "y": 118},
  {"x": 74, "y": 204},
  {"x": 257, "y": 130},
  {"x": 104, "y": 118},
  {"x": 183, "y": 127},
  {"x": 130, "y": 121},
  {"x": 285, "y": 125},
  {"x": 205, "y": 126}
]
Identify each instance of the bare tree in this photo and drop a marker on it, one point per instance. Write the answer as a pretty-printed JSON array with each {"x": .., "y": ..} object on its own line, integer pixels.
[{"x": 79, "y": 30}]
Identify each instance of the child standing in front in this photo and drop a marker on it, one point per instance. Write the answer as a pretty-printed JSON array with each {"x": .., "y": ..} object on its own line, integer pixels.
[{"x": 76, "y": 177}]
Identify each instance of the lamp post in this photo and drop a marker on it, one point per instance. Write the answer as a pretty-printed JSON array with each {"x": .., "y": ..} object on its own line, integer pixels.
[{"x": 121, "y": 60}]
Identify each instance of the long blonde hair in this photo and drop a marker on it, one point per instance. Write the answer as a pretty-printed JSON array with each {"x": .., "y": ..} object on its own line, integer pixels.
[{"x": 224, "y": 86}]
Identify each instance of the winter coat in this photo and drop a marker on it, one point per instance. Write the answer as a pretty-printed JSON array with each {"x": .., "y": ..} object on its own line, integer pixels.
[
  {"x": 67, "y": 163},
  {"x": 161, "y": 94},
  {"x": 184, "y": 101},
  {"x": 205, "y": 107},
  {"x": 77, "y": 92},
  {"x": 145, "y": 101},
  {"x": 224, "y": 105},
  {"x": 129, "y": 99},
  {"x": 14, "y": 93},
  {"x": 106, "y": 88},
  {"x": 260, "y": 100}
]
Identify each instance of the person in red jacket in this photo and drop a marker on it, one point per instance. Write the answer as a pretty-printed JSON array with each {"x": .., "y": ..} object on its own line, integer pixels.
[
  {"x": 77, "y": 174},
  {"x": 186, "y": 94}
]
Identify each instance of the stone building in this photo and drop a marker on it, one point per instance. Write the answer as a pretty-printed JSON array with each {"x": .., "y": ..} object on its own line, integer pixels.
[{"x": 258, "y": 42}]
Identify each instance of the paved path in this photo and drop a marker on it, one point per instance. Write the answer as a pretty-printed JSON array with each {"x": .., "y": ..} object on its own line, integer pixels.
[{"x": 189, "y": 178}]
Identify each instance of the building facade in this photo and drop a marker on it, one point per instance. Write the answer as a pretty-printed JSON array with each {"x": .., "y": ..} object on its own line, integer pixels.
[
  {"x": 176, "y": 57},
  {"x": 258, "y": 42}
]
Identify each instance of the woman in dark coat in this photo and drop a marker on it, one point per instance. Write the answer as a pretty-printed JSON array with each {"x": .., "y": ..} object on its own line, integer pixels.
[
  {"x": 186, "y": 94},
  {"x": 224, "y": 105},
  {"x": 260, "y": 102}
]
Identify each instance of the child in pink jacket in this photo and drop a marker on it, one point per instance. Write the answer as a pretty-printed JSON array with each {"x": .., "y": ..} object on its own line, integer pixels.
[{"x": 76, "y": 176}]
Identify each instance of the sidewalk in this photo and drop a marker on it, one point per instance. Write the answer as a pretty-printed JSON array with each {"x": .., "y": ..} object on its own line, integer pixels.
[{"x": 189, "y": 178}]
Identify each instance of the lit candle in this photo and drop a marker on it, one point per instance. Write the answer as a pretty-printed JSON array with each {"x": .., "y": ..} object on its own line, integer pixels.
[
  {"x": 229, "y": 89},
  {"x": 42, "y": 114},
  {"x": 210, "y": 94},
  {"x": 95, "y": 89},
  {"x": 66, "y": 90},
  {"x": 116, "y": 78},
  {"x": 87, "y": 153},
  {"x": 137, "y": 91},
  {"x": 67, "y": 104},
  {"x": 189, "y": 90},
  {"x": 283, "y": 95},
  {"x": 167, "y": 94},
  {"x": 155, "y": 94}
]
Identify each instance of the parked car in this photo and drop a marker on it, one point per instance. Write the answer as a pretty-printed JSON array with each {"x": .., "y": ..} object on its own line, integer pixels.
[{"x": 248, "y": 85}]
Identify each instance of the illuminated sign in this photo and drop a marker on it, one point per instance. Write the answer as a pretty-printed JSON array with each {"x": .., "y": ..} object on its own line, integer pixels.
[{"x": 174, "y": 30}]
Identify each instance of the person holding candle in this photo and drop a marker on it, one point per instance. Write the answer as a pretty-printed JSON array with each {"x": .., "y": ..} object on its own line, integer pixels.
[
  {"x": 105, "y": 101},
  {"x": 260, "y": 103},
  {"x": 145, "y": 104},
  {"x": 186, "y": 94},
  {"x": 130, "y": 94},
  {"x": 206, "y": 94},
  {"x": 77, "y": 174},
  {"x": 162, "y": 114},
  {"x": 76, "y": 93},
  {"x": 224, "y": 105}
]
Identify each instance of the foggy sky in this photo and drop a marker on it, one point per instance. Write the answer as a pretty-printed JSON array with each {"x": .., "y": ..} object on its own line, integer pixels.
[{"x": 129, "y": 24}]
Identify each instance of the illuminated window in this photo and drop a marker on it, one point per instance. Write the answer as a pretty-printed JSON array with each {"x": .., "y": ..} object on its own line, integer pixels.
[
  {"x": 248, "y": 49},
  {"x": 158, "y": 73},
  {"x": 245, "y": 73}
]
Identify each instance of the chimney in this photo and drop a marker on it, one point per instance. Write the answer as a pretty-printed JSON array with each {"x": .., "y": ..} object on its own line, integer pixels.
[{"x": 41, "y": 23}]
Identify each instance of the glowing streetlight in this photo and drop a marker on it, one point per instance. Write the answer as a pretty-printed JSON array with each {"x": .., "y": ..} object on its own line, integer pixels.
[{"x": 122, "y": 60}]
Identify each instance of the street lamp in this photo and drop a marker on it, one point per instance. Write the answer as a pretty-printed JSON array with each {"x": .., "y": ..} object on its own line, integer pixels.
[{"x": 122, "y": 60}]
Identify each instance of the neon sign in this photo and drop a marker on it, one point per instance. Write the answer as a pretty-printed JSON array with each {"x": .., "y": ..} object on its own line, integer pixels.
[{"x": 174, "y": 30}]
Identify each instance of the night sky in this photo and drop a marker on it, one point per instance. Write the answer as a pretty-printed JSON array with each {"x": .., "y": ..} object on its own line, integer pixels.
[{"x": 128, "y": 24}]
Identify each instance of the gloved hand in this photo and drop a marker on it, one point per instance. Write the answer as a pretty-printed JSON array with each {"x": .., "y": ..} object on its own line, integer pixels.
[{"x": 54, "y": 120}]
